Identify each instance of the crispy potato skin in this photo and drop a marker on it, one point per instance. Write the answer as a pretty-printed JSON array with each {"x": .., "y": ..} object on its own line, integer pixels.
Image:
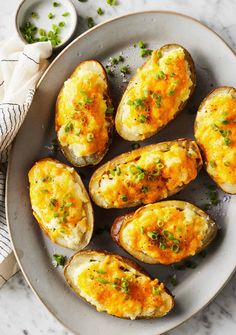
[
  {"x": 213, "y": 93},
  {"x": 88, "y": 210},
  {"x": 95, "y": 158},
  {"x": 122, "y": 221},
  {"x": 131, "y": 157},
  {"x": 118, "y": 120},
  {"x": 102, "y": 253}
]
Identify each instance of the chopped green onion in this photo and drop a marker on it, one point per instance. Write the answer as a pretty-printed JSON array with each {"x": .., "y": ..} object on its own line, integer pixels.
[
  {"x": 69, "y": 127},
  {"x": 155, "y": 291},
  {"x": 162, "y": 245},
  {"x": 111, "y": 2},
  {"x": 144, "y": 189},
  {"x": 224, "y": 121},
  {"x": 168, "y": 234},
  {"x": 124, "y": 198},
  {"x": 120, "y": 59},
  {"x": 172, "y": 74},
  {"x": 212, "y": 164},
  {"x": 124, "y": 285},
  {"x": 34, "y": 15},
  {"x": 100, "y": 11},
  {"x": 227, "y": 141},
  {"x": 60, "y": 259},
  {"x": 175, "y": 248},
  {"x": 170, "y": 92},
  {"x": 142, "y": 230},
  {"x": 56, "y": 4},
  {"x": 153, "y": 235},
  {"x": 42, "y": 32},
  {"x": 61, "y": 24},
  {"x": 114, "y": 61},
  {"x": 51, "y": 16},
  {"x": 90, "y": 22},
  {"x": 135, "y": 146},
  {"x": 110, "y": 110},
  {"x": 109, "y": 72},
  {"x": 142, "y": 118},
  {"x": 145, "y": 52},
  {"x": 141, "y": 45},
  {"x": 125, "y": 70},
  {"x": 56, "y": 215},
  {"x": 90, "y": 137},
  {"x": 161, "y": 75},
  {"x": 102, "y": 281},
  {"x": 66, "y": 14},
  {"x": 101, "y": 271}
]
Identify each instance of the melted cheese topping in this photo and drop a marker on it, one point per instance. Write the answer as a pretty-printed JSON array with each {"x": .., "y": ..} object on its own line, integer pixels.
[
  {"x": 81, "y": 118},
  {"x": 216, "y": 133},
  {"x": 151, "y": 177},
  {"x": 122, "y": 293},
  {"x": 58, "y": 202},
  {"x": 161, "y": 86},
  {"x": 166, "y": 234}
]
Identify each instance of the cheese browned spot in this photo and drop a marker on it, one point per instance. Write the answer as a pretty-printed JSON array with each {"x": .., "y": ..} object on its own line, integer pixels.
[
  {"x": 58, "y": 202},
  {"x": 81, "y": 120},
  {"x": 120, "y": 290},
  {"x": 162, "y": 85},
  {"x": 167, "y": 234},
  {"x": 152, "y": 176},
  {"x": 216, "y": 133}
]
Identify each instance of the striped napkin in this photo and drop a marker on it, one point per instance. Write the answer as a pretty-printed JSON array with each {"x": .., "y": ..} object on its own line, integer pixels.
[{"x": 20, "y": 68}]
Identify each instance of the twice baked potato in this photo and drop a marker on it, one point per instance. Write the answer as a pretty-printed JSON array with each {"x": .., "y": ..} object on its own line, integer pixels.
[
  {"x": 84, "y": 115},
  {"x": 156, "y": 94},
  {"x": 116, "y": 285},
  {"x": 215, "y": 132},
  {"x": 61, "y": 204},
  {"x": 165, "y": 232},
  {"x": 146, "y": 175}
]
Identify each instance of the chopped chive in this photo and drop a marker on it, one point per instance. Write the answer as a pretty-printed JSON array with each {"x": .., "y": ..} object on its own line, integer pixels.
[
  {"x": 227, "y": 141},
  {"x": 56, "y": 4},
  {"x": 60, "y": 259},
  {"x": 168, "y": 234},
  {"x": 66, "y": 14},
  {"x": 100, "y": 11},
  {"x": 114, "y": 61},
  {"x": 90, "y": 22},
  {"x": 161, "y": 75},
  {"x": 170, "y": 93},
  {"x": 51, "y": 16},
  {"x": 175, "y": 248},
  {"x": 124, "y": 285},
  {"x": 69, "y": 127}
]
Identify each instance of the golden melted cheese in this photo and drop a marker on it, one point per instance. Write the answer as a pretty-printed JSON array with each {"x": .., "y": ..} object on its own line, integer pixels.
[
  {"x": 216, "y": 133},
  {"x": 151, "y": 177},
  {"x": 122, "y": 293},
  {"x": 167, "y": 234},
  {"x": 58, "y": 202},
  {"x": 161, "y": 86},
  {"x": 81, "y": 119}
]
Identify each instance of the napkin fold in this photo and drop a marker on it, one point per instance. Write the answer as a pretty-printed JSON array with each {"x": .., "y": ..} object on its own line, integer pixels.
[{"x": 21, "y": 66}]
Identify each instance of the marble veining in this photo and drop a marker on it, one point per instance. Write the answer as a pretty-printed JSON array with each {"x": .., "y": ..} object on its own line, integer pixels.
[{"x": 20, "y": 311}]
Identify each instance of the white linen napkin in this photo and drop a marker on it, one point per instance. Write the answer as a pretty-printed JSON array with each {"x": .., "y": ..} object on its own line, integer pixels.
[{"x": 20, "y": 69}]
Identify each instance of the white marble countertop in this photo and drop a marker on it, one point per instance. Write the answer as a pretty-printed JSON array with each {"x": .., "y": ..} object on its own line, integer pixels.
[{"x": 20, "y": 311}]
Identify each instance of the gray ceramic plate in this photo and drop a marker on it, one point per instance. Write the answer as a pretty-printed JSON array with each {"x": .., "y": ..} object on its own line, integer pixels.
[{"x": 216, "y": 65}]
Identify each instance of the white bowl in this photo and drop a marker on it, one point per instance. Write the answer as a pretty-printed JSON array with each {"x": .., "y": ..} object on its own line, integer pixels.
[{"x": 43, "y": 8}]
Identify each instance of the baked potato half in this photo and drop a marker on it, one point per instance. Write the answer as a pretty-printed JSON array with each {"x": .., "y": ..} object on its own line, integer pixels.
[
  {"x": 165, "y": 232},
  {"x": 61, "y": 204},
  {"x": 84, "y": 115},
  {"x": 156, "y": 94},
  {"x": 146, "y": 175},
  {"x": 116, "y": 285},
  {"x": 215, "y": 132}
]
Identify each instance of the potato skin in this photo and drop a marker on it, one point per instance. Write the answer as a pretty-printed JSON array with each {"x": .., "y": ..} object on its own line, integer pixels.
[
  {"x": 141, "y": 137},
  {"x": 96, "y": 157},
  {"x": 121, "y": 221},
  {"x": 131, "y": 157},
  {"x": 87, "y": 206},
  {"x": 102, "y": 253},
  {"x": 213, "y": 93}
]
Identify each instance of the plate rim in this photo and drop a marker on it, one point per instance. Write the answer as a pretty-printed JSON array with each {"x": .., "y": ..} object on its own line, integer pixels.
[{"x": 88, "y": 32}]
